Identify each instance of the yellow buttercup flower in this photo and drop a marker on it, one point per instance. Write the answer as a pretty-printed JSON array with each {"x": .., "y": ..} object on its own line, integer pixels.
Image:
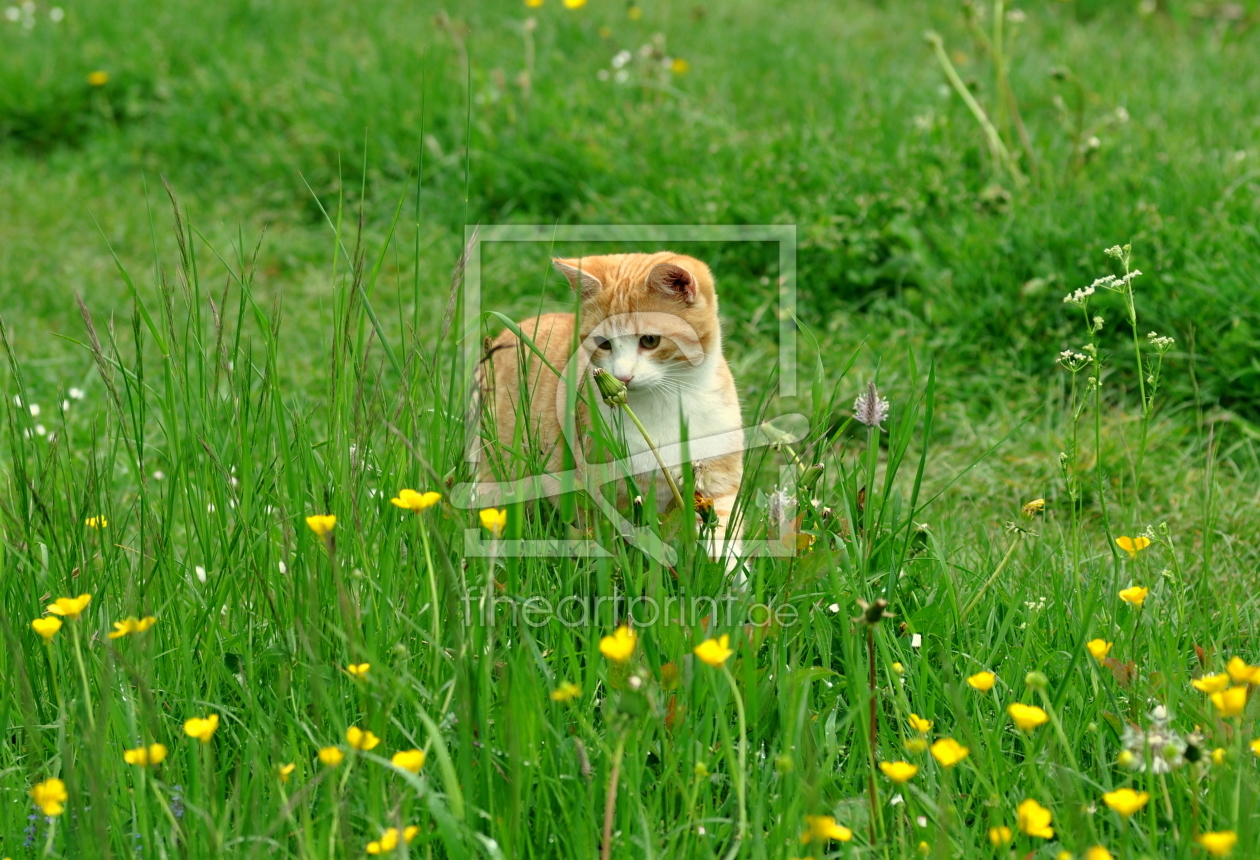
[
  {"x": 145, "y": 756},
  {"x": 96, "y": 522},
  {"x": 1126, "y": 801},
  {"x": 898, "y": 669},
  {"x": 1219, "y": 843},
  {"x": 361, "y": 740},
  {"x": 331, "y": 756},
  {"x": 389, "y": 840},
  {"x": 494, "y": 521},
  {"x": 565, "y": 692},
  {"x": 533, "y": 4},
  {"x": 619, "y": 647},
  {"x": 982, "y": 681},
  {"x": 70, "y": 607},
  {"x": 358, "y": 671},
  {"x": 634, "y": 13},
  {"x": 1231, "y": 702},
  {"x": 915, "y": 745},
  {"x": 1027, "y": 717},
  {"x": 919, "y": 724},
  {"x": 1255, "y": 746},
  {"x": 98, "y": 78},
  {"x": 1134, "y": 595},
  {"x": 1034, "y": 819},
  {"x": 715, "y": 652},
  {"x": 410, "y": 500},
  {"x": 899, "y": 771},
  {"x": 824, "y": 827},
  {"x": 1241, "y": 672},
  {"x": 1098, "y": 853},
  {"x": 411, "y": 760},
  {"x": 132, "y": 625},
  {"x": 1034, "y": 507},
  {"x": 46, "y": 627},
  {"x": 50, "y": 796},
  {"x": 999, "y": 836},
  {"x": 321, "y": 524},
  {"x": 285, "y": 771},
  {"x": 202, "y": 728},
  {"x": 679, "y": 66},
  {"x": 1218, "y": 756},
  {"x": 1133, "y": 545},
  {"x": 1098, "y": 648},
  {"x": 949, "y": 752},
  {"x": 574, "y": 4},
  {"x": 1211, "y": 683}
]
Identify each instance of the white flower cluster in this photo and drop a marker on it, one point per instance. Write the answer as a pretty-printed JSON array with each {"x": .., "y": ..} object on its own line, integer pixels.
[
  {"x": 1078, "y": 297},
  {"x": 1072, "y": 360},
  {"x": 1160, "y": 344}
]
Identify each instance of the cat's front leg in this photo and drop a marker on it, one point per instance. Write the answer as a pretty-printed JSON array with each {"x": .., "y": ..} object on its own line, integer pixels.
[{"x": 719, "y": 479}]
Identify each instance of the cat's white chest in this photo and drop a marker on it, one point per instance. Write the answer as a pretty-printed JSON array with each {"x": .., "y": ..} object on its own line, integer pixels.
[{"x": 708, "y": 418}]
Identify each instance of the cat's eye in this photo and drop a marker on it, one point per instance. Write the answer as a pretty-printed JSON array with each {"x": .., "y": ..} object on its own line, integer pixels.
[
  {"x": 602, "y": 343},
  {"x": 650, "y": 341}
]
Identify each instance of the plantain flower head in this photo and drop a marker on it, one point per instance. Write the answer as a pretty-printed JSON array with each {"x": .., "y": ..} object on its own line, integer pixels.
[{"x": 871, "y": 409}]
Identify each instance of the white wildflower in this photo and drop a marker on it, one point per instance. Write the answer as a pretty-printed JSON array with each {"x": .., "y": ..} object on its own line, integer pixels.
[
  {"x": 76, "y": 393},
  {"x": 201, "y": 573},
  {"x": 56, "y": 14},
  {"x": 620, "y": 59},
  {"x": 35, "y": 410}
]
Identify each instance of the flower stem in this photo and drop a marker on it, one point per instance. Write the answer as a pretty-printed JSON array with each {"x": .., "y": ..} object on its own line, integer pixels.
[
  {"x": 870, "y": 659},
  {"x": 1010, "y": 550},
  {"x": 740, "y": 788},
  {"x": 87, "y": 693},
  {"x": 433, "y": 593},
  {"x": 610, "y": 801}
]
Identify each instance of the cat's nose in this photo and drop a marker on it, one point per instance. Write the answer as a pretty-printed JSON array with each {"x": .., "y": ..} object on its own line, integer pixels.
[{"x": 625, "y": 378}]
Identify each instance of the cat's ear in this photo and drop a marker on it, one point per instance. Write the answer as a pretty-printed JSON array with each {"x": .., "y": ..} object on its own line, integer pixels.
[
  {"x": 674, "y": 281},
  {"x": 577, "y": 271}
]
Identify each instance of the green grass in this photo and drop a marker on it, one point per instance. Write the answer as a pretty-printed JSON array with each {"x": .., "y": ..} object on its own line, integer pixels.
[{"x": 241, "y": 386}]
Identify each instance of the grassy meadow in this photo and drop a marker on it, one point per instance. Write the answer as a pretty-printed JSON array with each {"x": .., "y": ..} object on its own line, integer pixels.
[{"x": 230, "y": 302}]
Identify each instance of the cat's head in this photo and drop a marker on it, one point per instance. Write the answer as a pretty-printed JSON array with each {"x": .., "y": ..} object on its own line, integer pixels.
[{"x": 648, "y": 319}]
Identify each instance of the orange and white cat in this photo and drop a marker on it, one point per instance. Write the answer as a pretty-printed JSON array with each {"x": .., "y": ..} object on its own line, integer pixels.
[{"x": 650, "y": 320}]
